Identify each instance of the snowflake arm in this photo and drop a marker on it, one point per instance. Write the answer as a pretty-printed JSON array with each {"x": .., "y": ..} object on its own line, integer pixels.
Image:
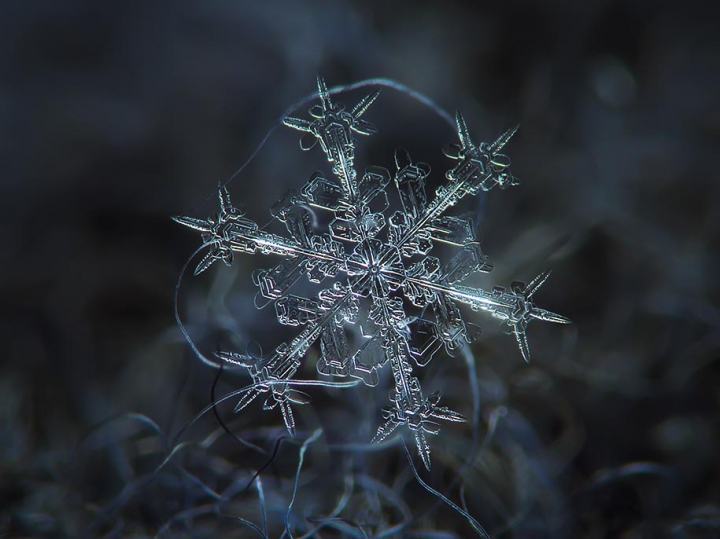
[
  {"x": 333, "y": 128},
  {"x": 514, "y": 307},
  {"x": 478, "y": 168},
  {"x": 268, "y": 375}
]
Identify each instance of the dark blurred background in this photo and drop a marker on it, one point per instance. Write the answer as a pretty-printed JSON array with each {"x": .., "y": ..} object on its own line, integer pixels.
[{"x": 115, "y": 116}]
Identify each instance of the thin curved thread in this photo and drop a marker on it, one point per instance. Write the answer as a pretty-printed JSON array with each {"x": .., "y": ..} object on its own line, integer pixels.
[
  {"x": 528, "y": 476},
  {"x": 418, "y": 96},
  {"x": 339, "y": 507},
  {"x": 256, "y": 475},
  {"x": 263, "y": 509},
  {"x": 344, "y": 525},
  {"x": 128, "y": 415},
  {"x": 222, "y": 423},
  {"x": 473, "y": 451},
  {"x": 244, "y": 522},
  {"x": 626, "y": 471},
  {"x": 200, "y": 483},
  {"x": 185, "y": 333},
  {"x": 184, "y": 514},
  {"x": 391, "y": 496},
  {"x": 495, "y": 416},
  {"x": 203, "y": 510},
  {"x": 474, "y": 390},
  {"x": 471, "y": 520},
  {"x": 303, "y": 448}
]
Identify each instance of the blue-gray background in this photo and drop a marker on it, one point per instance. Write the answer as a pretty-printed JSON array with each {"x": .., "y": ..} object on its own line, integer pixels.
[{"x": 116, "y": 115}]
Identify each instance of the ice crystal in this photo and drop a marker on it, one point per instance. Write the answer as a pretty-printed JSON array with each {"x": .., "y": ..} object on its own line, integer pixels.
[{"x": 378, "y": 262}]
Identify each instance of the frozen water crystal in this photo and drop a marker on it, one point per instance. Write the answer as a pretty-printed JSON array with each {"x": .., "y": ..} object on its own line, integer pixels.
[{"x": 375, "y": 261}]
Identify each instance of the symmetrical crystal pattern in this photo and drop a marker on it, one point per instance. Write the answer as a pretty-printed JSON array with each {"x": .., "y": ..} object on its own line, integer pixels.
[{"x": 380, "y": 268}]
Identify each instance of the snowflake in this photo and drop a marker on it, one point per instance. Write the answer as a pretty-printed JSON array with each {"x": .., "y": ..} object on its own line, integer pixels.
[{"x": 387, "y": 271}]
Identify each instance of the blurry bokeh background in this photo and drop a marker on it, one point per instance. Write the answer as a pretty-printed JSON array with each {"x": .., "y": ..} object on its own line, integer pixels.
[{"x": 115, "y": 116}]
